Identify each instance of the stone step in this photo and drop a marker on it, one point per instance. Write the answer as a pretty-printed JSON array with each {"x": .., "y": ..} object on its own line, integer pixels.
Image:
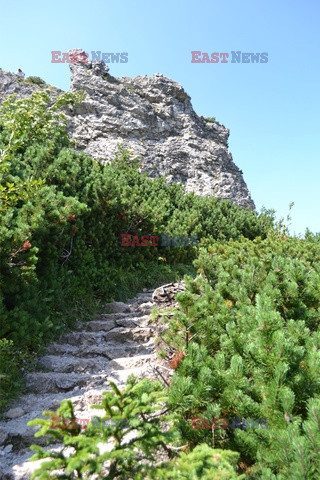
[
  {"x": 82, "y": 338},
  {"x": 62, "y": 348},
  {"x": 100, "y": 325},
  {"x": 120, "y": 376},
  {"x": 118, "y": 316},
  {"x": 131, "y": 322},
  {"x": 128, "y": 349},
  {"x": 70, "y": 363},
  {"x": 143, "y": 307},
  {"x": 127, "y": 322},
  {"x": 116, "y": 307},
  {"x": 109, "y": 350},
  {"x": 117, "y": 334},
  {"x": 138, "y": 299},
  {"x": 141, "y": 303},
  {"x": 47, "y": 382},
  {"x": 123, "y": 334},
  {"x": 133, "y": 362}
]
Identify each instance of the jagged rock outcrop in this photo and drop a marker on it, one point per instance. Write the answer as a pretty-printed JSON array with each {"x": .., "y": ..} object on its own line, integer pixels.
[
  {"x": 10, "y": 84},
  {"x": 153, "y": 118}
]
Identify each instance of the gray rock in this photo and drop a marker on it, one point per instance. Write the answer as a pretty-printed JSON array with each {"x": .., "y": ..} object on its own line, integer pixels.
[
  {"x": 164, "y": 296},
  {"x": 10, "y": 84},
  {"x": 14, "y": 412},
  {"x": 3, "y": 436},
  {"x": 146, "y": 307},
  {"x": 152, "y": 117},
  {"x": 8, "y": 449},
  {"x": 117, "y": 307}
]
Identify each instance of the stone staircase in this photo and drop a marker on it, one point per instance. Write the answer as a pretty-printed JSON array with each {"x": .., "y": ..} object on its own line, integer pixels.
[{"x": 78, "y": 367}]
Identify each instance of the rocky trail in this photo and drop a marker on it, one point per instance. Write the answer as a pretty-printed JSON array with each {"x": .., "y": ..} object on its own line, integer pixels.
[{"x": 79, "y": 366}]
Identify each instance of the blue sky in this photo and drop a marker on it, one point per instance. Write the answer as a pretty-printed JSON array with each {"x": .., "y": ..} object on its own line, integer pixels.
[{"x": 271, "y": 109}]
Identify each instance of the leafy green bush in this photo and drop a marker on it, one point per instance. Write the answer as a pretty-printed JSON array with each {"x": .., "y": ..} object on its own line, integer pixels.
[
  {"x": 134, "y": 449},
  {"x": 249, "y": 329},
  {"x": 294, "y": 451}
]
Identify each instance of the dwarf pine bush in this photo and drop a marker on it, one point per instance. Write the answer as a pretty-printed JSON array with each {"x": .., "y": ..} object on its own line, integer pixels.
[
  {"x": 62, "y": 216},
  {"x": 246, "y": 331},
  {"x": 133, "y": 451},
  {"x": 249, "y": 328}
]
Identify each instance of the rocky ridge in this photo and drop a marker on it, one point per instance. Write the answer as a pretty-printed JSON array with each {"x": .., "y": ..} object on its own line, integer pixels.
[
  {"x": 12, "y": 84},
  {"x": 153, "y": 118},
  {"x": 79, "y": 366}
]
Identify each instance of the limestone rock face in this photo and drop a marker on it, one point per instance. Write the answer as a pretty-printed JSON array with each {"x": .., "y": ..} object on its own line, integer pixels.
[
  {"x": 10, "y": 83},
  {"x": 153, "y": 118}
]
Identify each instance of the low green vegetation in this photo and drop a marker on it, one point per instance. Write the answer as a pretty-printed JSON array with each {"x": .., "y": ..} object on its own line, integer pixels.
[
  {"x": 130, "y": 88},
  {"x": 35, "y": 80},
  {"x": 245, "y": 332},
  {"x": 134, "y": 451},
  {"x": 62, "y": 216},
  {"x": 248, "y": 326},
  {"x": 210, "y": 119}
]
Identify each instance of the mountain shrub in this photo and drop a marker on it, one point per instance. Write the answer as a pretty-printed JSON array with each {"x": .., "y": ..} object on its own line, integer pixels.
[
  {"x": 248, "y": 329},
  {"x": 62, "y": 216},
  {"x": 135, "y": 452}
]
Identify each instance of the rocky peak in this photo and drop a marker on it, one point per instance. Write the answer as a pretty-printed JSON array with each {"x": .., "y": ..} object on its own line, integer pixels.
[{"x": 153, "y": 118}]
